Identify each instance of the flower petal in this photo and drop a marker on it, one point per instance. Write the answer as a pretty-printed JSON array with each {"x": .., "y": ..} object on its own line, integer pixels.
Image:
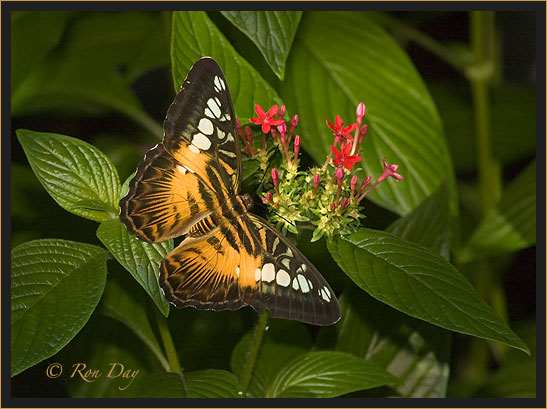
[
  {"x": 260, "y": 111},
  {"x": 339, "y": 122},
  {"x": 255, "y": 121},
  {"x": 336, "y": 152},
  {"x": 272, "y": 111}
]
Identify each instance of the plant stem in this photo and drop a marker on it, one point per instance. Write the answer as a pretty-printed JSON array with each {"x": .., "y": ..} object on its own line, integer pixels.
[
  {"x": 480, "y": 74},
  {"x": 168, "y": 344},
  {"x": 253, "y": 353}
]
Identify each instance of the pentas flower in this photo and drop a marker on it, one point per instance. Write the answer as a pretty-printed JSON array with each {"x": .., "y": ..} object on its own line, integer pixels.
[
  {"x": 327, "y": 198},
  {"x": 339, "y": 130},
  {"x": 344, "y": 159},
  {"x": 266, "y": 119}
]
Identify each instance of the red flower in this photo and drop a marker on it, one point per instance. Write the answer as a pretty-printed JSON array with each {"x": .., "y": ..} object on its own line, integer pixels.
[
  {"x": 339, "y": 130},
  {"x": 266, "y": 119},
  {"x": 344, "y": 158}
]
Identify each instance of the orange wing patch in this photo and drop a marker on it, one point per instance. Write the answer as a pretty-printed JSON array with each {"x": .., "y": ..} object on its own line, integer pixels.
[
  {"x": 209, "y": 271},
  {"x": 165, "y": 198}
]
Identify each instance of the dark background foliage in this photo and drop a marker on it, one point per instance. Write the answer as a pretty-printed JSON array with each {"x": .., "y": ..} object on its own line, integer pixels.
[{"x": 105, "y": 78}]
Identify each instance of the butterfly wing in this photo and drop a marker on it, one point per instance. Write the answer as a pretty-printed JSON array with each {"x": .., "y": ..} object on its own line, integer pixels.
[
  {"x": 207, "y": 272},
  {"x": 288, "y": 284},
  {"x": 195, "y": 168},
  {"x": 200, "y": 127},
  {"x": 247, "y": 262}
]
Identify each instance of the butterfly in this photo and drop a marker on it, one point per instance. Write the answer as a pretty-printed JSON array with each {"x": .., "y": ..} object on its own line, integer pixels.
[{"x": 189, "y": 185}]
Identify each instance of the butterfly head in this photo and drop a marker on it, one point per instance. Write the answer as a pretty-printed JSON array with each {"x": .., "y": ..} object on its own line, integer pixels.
[{"x": 247, "y": 201}]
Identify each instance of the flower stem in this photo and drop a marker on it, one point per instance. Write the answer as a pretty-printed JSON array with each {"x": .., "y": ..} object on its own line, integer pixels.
[
  {"x": 168, "y": 344},
  {"x": 253, "y": 353}
]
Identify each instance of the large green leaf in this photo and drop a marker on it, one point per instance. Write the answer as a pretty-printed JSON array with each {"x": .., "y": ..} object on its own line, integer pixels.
[
  {"x": 212, "y": 383},
  {"x": 429, "y": 224},
  {"x": 121, "y": 301},
  {"x": 511, "y": 225},
  {"x": 28, "y": 50},
  {"x": 284, "y": 341},
  {"x": 142, "y": 260},
  {"x": 272, "y": 32},
  {"x": 342, "y": 58},
  {"x": 419, "y": 283},
  {"x": 326, "y": 374},
  {"x": 415, "y": 352},
  {"x": 55, "y": 286},
  {"x": 160, "y": 385},
  {"x": 195, "y": 36},
  {"x": 79, "y": 177}
]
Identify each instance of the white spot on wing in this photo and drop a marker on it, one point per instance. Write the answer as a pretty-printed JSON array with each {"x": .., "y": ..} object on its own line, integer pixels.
[
  {"x": 189, "y": 170},
  {"x": 325, "y": 293},
  {"x": 303, "y": 283},
  {"x": 214, "y": 107},
  {"x": 181, "y": 169},
  {"x": 201, "y": 141},
  {"x": 194, "y": 149},
  {"x": 268, "y": 272},
  {"x": 221, "y": 134},
  {"x": 227, "y": 153},
  {"x": 295, "y": 284},
  {"x": 230, "y": 137},
  {"x": 206, "y": 126},
  {"x": 287, "y": 263},
  {"x": 257, "y": 274},
  {"x": 219, "y": 83},
  {"x": 237, "y": 271},
  {"x": 283, "y": 278}
]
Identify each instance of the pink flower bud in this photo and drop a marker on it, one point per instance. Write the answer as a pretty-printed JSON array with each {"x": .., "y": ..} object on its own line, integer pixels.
[
  {"x": 339, "y": 176},
  {"x": 275, "y": 177},
  {"x": 281, "y": 112},
  {"x": 344, "y": 203},
  {"x": 333, "y": 206},
  {"x": 362, "y": 133},
  {"x": 282, "y": 128},
  {"x": 268, "y": 198},
  {"x": 364, "y": 184},
  {"x": 296, "y": 146},
  {"x": 294, "y": 122},
  {"x": 249, "y": 134},
  {"x": 316, "y": 181},
  {"x": 353, "y": 183},
  {"x": 239, "y": 130},
  {"x": 360, "y": 112}
]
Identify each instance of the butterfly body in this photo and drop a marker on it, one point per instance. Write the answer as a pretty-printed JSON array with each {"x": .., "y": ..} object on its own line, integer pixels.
[{"x": 189, "y": 185}]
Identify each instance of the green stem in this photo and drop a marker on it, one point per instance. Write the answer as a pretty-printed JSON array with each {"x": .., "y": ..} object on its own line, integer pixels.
[
  {"x": 168, "y": 344},
  {"x": 480, "y": 74},
  {"x": 253, "y": 353}
]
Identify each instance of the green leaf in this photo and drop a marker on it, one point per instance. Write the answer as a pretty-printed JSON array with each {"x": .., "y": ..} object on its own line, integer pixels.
[
  {"x": 133, "y": 40},
  {"x": 284, "y": 341},
  {"x": 55, "y": 286},
  {"x": 342, "y": 58},
  {"x": 419, "y": 283},
  {"x": 28, "y": 50},
  {"x": 272, "y": 32},
  {"x": 429, "y": 224},
  {"x": 212, "y": 383},
  {"x": 511, "y": 225},
  {"x": 79, "y": 177},
  {"x": 142, "y": 260},
  {"x": 195, "y": 36},
  {"x": 415, "y": 352},
  {"x": 327, "y": 374},
  {"x": 160, "y": 385},
  {"x": 120, "y": 302},
  {"x": 79, "y": 85},
  {"x": 510, "y": 104}
]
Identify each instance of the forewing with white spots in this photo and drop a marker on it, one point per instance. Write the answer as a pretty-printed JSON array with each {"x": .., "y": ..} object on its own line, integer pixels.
[{"x": 200, "y": 126}]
